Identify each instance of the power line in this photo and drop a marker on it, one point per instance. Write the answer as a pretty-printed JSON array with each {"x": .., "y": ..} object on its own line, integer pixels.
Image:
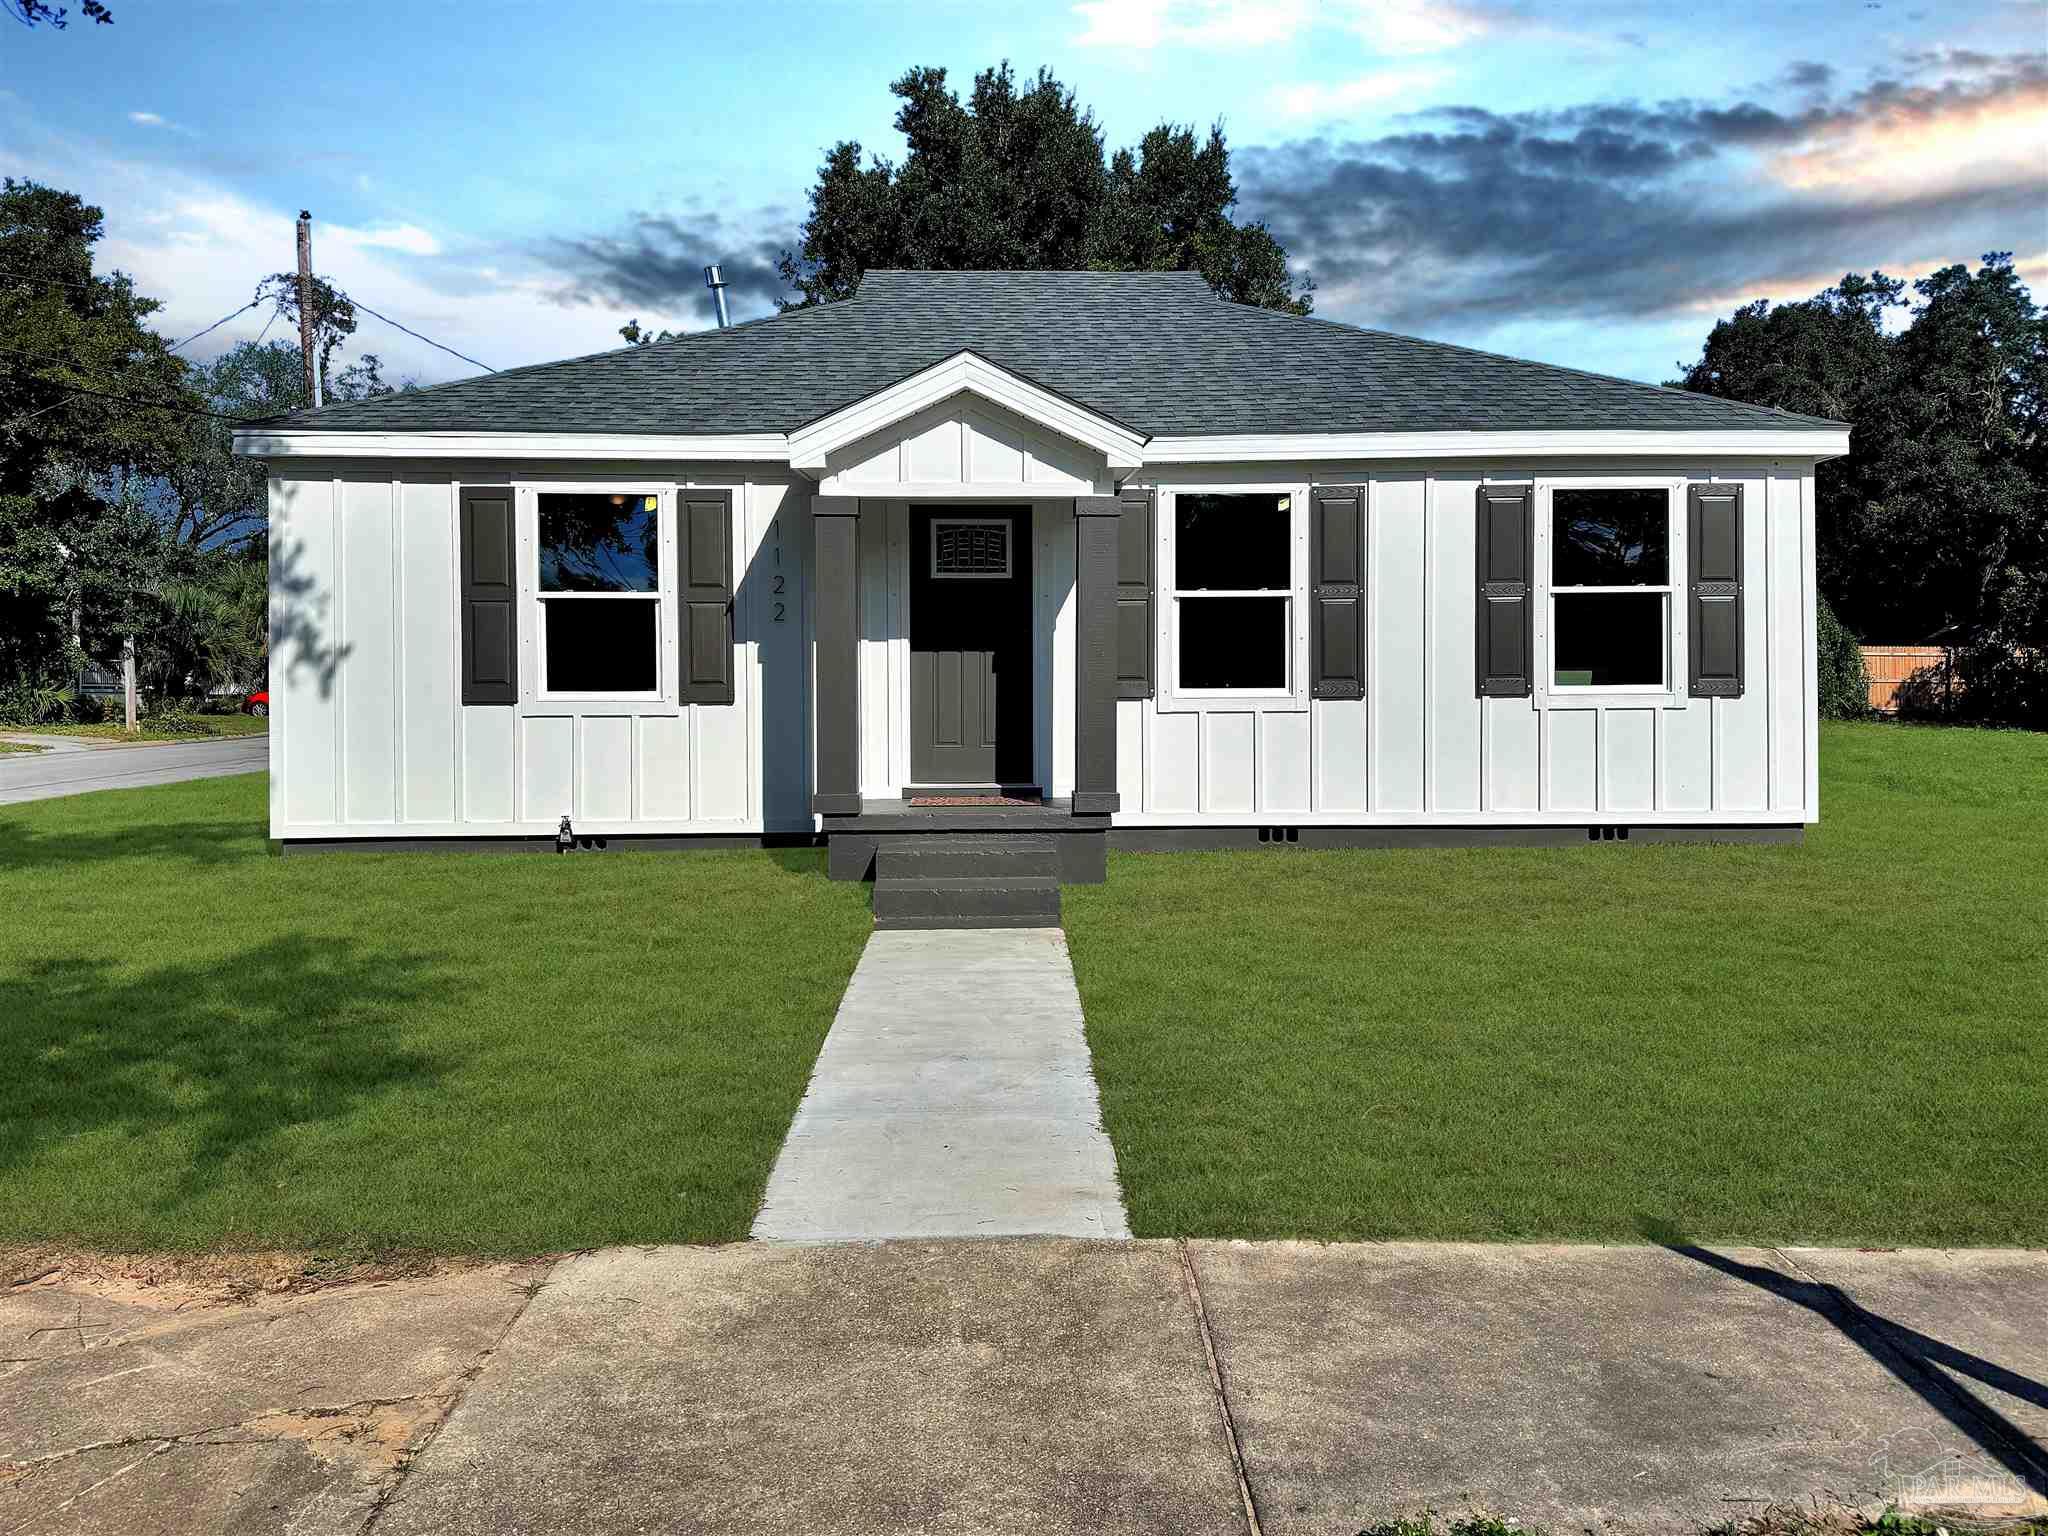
[
  {"x": 223, "y": 320},
  {"x": 44, "y": 277},
  {"x": 150, "y": 405},
  {"x": 359, "y": 304}
]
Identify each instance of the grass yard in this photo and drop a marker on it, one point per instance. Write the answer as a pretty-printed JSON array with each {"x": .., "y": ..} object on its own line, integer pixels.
[
  {"x": 18, "y": 749},
  {"x": 199, "y": 728},
  {"x": 208, "y": 1045},
  {"x": 1840, "y": 1043}
]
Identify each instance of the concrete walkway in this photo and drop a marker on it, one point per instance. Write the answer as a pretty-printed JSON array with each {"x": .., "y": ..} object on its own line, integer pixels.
[
  {"x": 1045, "y": 1385},
  {"x": 71, "y": 767},
  {"x": 953, "y": 1097}
]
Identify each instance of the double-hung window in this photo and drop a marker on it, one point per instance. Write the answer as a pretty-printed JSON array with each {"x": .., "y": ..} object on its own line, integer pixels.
[
  {"x": 1610, "y": 589},
  {"x": 599, "y": 589},
  {"x": 1232, "y": 594}
]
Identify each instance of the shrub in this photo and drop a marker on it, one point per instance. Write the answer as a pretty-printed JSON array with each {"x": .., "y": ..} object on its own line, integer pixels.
[
  {"x": 175, "y": 717},
  {"x": 25, "y": 703},
  {"x": 1844, "y": 684},
  {"x": 86, "y": 709}
]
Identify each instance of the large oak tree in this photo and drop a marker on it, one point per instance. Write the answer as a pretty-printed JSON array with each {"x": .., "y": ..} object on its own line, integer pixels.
[{"x": 1015, "y": 177}]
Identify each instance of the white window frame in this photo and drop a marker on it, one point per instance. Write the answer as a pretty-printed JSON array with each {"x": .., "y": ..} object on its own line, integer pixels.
[
  {"x": 1294, "y": 695},
  {"x": 1672, "y": 691},
  {"x": 1009, "y": 548},
  {"x": 663, "y": 597}
]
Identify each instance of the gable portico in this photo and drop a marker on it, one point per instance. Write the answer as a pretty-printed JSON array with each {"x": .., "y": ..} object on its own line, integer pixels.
[{"x": 964, "y": 446}]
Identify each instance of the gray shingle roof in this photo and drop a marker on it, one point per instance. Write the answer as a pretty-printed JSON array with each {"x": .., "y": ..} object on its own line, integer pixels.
[{"x": 1155, "y": 351}]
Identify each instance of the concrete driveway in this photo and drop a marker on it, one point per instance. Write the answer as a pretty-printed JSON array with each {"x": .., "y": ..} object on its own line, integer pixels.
[{"x": 71, "y": 766}]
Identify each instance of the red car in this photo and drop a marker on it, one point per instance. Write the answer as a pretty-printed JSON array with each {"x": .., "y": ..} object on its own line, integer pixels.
[{"x": 257, "y": 703}]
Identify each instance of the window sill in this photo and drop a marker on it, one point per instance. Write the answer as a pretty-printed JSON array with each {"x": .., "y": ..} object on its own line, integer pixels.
[
  {"x": 1611, "y": 698},
  {"x": 1272, "y": 701},
  {"x": 599, "y": 704}
]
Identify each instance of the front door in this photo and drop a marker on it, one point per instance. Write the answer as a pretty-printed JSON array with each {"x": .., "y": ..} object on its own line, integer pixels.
[{"x": 970, "y": 645}]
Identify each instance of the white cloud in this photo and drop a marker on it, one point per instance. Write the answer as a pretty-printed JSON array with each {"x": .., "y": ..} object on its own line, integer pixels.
[
  {"x": 147, "y": 119},
  {"x": 1146, "y": 24},
  {"x": 1391, "y": 85},
  {"x": 1418, "y": 26},
  {"x": 1389, "y": 26},
  {"x": 202, "y": 248},
  {"x": 408, "y": 238}
]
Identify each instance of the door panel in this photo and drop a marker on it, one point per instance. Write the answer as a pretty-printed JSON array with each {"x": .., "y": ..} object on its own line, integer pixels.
[{"x": 970, "y": 646}]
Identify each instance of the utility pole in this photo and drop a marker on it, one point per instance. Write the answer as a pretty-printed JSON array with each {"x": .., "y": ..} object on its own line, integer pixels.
[
  {"x": 128, "y": 681},
  {"x": 306, "y": 305}
]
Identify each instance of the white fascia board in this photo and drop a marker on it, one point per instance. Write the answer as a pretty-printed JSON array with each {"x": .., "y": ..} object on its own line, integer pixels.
[
  {"x": 1262, "y": 447},
  {"x": 287, "y": 443},
  {"x": 964, "y": 373}
]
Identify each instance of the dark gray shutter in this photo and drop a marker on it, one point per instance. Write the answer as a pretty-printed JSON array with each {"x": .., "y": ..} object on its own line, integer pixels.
[
  {"x": 704, "y": 545},
  {"x": 1713, "y": 541},
  {"x": 1337, "y": 591},
  {"x": 1134, "y": 546},
  {"x": 489, "y": 597},
  {"x": 1507, "y": 591}
]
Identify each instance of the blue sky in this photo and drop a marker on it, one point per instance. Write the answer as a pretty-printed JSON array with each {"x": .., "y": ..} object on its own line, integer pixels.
[{"x": 1590, "y": 185}]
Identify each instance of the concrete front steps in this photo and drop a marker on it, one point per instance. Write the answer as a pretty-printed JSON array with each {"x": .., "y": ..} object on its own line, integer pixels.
[{"x": 968, "y": 880}]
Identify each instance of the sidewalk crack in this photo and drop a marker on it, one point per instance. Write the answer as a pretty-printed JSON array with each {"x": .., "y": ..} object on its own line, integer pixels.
[
  {"x": 388, "y": 1493},
  {"x": 1216, "y": 1384}
]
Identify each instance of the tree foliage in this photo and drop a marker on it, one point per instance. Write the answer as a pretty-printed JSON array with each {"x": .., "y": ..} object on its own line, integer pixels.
[
  {"x": 123, "y": 508},
  {"x": 1015, "y": 178},
  {"x": 1935, "y": 525},
  {"x": 39, "y": 13},
  {"x": 92, "y": 405}
]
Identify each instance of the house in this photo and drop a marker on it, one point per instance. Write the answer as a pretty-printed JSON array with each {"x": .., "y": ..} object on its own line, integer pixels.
[{"x": 1202, "y": 575}]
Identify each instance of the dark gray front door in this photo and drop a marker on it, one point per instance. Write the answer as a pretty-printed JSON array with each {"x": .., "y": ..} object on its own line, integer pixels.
[{"x": 970, "y": 645}]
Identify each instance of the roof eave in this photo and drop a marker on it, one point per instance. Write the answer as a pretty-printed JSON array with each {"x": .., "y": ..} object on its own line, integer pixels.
[{"x": 1807, "y": 442}]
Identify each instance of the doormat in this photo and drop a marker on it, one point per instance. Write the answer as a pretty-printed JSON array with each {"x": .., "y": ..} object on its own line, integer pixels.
[{"x": 920, "y": 802}]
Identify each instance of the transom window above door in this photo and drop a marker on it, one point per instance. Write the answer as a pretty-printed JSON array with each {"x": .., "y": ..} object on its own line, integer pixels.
[
  {"x": 1610, "y": 587},
  {"x": 1232, "y": 591},
  {"x": 599, "y": 583}
]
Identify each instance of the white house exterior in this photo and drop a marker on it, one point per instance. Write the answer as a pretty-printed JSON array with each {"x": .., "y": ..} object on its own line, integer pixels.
[{"x": 1208, "y": 575}]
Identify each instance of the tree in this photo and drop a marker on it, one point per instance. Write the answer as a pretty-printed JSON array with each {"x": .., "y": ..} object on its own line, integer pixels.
[
  {"x": 1936, "y": 523},
  {"x": 93, "y": 405},
  {"x": 636, "y": 335},
  {"x": 38, "y": 13},
  {"x": 334, "y": 316},
  {"x": 1016, "y": 178}
]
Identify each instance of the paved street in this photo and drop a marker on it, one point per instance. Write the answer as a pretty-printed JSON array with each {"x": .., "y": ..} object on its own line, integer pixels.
[
  {"x": 70, "y": 767},
  {"x": 1050, "y": 1385}
]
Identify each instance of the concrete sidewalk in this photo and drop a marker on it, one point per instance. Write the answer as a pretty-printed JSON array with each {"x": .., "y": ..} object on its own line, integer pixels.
[
  {"x": 953, "y": 1097},
  {"x": 1044, "y": 1385}
]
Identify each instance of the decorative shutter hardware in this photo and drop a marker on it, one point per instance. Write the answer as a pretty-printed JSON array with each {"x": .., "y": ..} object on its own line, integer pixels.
[
  {"x": 488, "y": 599},
  {"x": 1714, "y": 600},
  {"x": 1337, "y": 591},
  {"x": 1135, "y": 544},
  {"x": 1506, "y": 638},
  {"x": 704, "y": 542}
]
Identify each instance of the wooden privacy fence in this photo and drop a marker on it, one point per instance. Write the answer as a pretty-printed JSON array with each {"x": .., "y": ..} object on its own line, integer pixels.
[{"x": 1923, "y": 670}]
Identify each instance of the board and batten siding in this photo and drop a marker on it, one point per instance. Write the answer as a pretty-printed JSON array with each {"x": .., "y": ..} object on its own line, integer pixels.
[
  {"x": 371, "y": 739},
  {"x": 1421, "y": 747}
]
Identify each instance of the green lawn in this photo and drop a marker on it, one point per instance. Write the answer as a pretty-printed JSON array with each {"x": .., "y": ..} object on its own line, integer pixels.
[
  {"x": 209, "y": 1045},
  {"x": 200, "y": 728},
  {"x": 18, "y": 748},
  {"x": 1843, "y": 1042}
]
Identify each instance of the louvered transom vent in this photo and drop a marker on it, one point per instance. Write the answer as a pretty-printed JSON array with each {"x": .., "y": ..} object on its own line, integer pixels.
[{"x": 968, "y": 548}]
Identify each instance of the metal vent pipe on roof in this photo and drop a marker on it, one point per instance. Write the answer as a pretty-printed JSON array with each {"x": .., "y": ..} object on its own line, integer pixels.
[{"x": 716, "y": 284}]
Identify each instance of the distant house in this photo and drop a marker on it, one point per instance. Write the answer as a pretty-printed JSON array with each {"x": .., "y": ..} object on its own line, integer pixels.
[{"x": 1198, "y": 574}]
